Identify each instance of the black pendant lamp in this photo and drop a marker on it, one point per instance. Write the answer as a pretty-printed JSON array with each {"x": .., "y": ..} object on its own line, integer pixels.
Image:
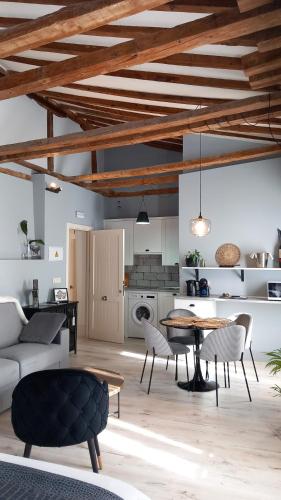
[{"x": 142, "y": 217}]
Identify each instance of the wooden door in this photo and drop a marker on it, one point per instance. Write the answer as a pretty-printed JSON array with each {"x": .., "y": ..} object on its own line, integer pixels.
[
  {"x": 128, "y": 225},
  {"x": 72, "y": 290},
  {"x": 106, "y": 309}
]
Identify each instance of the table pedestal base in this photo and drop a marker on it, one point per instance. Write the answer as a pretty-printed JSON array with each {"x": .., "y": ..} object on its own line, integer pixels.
[{"x": 198, "y": 386}]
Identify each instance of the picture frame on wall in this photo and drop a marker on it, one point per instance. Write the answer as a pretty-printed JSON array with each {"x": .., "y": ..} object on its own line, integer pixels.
[{"x": 60, "y": 294}]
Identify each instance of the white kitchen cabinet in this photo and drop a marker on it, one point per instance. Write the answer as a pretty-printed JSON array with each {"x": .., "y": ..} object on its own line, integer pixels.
[
  {"x": 200, "y": 307},
  {"x": 171, "y": 241},
  {"x": 165, "y": 305},
  {"x": 148, "y": 238},
  {"x": 128, "y": 225}
]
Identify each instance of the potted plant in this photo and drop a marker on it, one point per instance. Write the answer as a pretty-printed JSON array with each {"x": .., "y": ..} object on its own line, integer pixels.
[
  {"x": 275, "y": 365},
  {"x": 192, "y": 259},
  {"x": 31, "y": 247}
]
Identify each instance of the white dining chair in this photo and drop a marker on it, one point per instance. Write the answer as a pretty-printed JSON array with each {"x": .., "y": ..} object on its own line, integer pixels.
[
  {"x": 225, "y": 345},
  {"x": 158, "y": 345}
]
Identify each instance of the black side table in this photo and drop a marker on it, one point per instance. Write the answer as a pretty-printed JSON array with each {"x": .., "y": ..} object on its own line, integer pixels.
[{"x": 70, "y": 309}]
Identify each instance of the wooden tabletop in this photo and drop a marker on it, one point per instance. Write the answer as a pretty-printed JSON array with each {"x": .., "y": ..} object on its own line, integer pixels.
[{"x": 195, "y": 322}]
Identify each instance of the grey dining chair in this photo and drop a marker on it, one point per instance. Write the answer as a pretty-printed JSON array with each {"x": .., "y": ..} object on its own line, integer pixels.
[
  {"x": 158, "y": 345},
  {"x": 246, "y": 320},
  {"x": 225, "y": 345},
  {"x": 179, "y": 332}
]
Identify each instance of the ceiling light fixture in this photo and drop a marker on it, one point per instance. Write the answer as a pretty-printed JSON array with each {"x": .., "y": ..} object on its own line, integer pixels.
[
  {"x": 142, "y": 217},
  {"x": 53, "y": 187},
  {"x": 200, "y": 226}
]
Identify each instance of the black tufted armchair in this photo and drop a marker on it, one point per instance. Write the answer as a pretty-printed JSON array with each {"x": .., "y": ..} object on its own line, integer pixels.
[{"x": 60, "y": 408}]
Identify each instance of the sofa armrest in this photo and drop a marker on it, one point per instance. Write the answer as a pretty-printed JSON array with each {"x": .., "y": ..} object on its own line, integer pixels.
[{"x": 62, "y": 338}]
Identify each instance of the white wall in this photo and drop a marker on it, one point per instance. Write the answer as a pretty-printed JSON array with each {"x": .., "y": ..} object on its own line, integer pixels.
[
  {"x": 243, "y": 203},
  {"x": 140, "y": 156},
  {"x": 21, "y": 119}
]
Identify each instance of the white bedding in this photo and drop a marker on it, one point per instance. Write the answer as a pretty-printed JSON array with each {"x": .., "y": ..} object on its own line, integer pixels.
[{"x": 124, "y": 490}]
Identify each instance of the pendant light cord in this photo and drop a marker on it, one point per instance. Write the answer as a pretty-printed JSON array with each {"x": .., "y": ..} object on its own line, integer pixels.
[{"x": 200, "y": 178}]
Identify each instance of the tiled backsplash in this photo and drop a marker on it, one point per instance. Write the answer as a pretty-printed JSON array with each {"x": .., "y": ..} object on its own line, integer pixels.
[{"x": 148, "y": 272}]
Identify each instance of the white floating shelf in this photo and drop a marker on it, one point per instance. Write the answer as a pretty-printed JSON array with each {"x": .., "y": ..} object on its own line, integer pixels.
[{"x": 241, "y": 270}]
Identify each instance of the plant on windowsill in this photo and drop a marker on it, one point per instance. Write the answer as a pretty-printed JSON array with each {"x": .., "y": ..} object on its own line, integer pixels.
[
  {"x": 275, "y": 365},
  {"x": 193, "y": 259},
  {"x": 32, "y": 248}
]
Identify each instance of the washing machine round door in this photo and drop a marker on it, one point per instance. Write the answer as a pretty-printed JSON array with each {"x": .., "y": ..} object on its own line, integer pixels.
[{"x": 142, "y": 310}]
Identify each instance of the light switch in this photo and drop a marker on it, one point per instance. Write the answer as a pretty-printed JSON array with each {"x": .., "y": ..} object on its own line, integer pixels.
[{"x": 56, "y": 281}]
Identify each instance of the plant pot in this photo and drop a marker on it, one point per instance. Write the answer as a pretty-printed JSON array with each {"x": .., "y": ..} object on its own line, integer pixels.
[{"x": 191, "y": 262}]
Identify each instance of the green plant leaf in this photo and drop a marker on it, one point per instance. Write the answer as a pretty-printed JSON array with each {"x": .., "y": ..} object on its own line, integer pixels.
[{"x": 24, "y": 227}]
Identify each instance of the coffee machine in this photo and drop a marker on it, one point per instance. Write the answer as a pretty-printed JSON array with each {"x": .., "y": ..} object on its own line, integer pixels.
[
  {"x": 204, "y": 289},
  {"x": 191, "y": 288}
]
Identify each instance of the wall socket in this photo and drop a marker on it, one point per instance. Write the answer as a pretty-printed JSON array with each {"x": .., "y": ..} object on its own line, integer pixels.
[{"x": 56, "y": 281}]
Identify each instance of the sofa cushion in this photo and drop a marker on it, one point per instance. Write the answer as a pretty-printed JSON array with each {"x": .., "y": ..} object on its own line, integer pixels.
[
  {"x": 10, "y": 325},
  {"x": 32, "y": 357},
  {"x": 10, "y": 373},
  {"x": 42, "y": 327}
]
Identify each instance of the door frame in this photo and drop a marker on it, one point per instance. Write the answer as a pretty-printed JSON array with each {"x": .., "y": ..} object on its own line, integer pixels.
[{"x": 77, "y": 227}]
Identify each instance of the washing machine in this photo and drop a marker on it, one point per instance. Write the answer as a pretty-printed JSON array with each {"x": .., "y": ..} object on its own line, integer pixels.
[{"x": 141, "y": 305}]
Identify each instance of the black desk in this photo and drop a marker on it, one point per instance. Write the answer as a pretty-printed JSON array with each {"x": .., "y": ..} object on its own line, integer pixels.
[{"x": 70, "y": 309}]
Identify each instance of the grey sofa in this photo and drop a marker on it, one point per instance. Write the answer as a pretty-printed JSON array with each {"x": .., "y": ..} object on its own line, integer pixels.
[{"x": 18, "y": 359}]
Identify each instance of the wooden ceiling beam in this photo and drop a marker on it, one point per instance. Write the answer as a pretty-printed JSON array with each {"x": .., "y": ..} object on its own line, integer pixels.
[
  {"x": 155, "y": 76},
  {"x": 210, "y": 29},
  {"x": 200, "y": 6},
  {"x": 272, "y": 43},
  {"x": 185, "y": 166},
  {"x": 256, "y": 63},
  {"x": 92, "y": 102},
  {"x": 213, "y": 117},
  {"x": 147, "y": 96},
  {"x": 145, "y": 192},
  {"x": 245, "y": 5},
  {"x": 68, "y": 21},
  {"x": 15, "y": 173},
  {"x": 267, "y": 79},
  {"x": 125, "y": 183}
]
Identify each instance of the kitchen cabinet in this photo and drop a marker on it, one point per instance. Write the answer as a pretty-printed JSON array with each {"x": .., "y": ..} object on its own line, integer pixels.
[
  {"x": 171, "y": 241},
  {"x": 148, "y": 238},
  {"x": 128, "y": 225},
  {"x": 203, "y": 308},
  {"x": 165, "y": 305}
]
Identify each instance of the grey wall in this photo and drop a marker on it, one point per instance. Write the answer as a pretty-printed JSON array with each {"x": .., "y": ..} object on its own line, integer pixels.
[
  {"x": 243, "y": 203},
  {"x": 21, "y": 119},
  {"x": 139, "y": 156}
]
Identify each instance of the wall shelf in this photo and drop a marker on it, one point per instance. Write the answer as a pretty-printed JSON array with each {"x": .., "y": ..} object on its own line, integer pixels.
[{"x": 240, "y": 270}]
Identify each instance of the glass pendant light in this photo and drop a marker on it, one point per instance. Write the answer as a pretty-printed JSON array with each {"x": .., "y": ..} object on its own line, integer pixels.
[
  {"x": 200, "y": 226},
  {"x": 142, "y": 217}
]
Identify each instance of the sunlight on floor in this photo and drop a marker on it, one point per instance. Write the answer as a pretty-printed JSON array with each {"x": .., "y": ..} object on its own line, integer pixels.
[
  {"x": 153, "y": 435},
  {"x": 159, "y": 458}
]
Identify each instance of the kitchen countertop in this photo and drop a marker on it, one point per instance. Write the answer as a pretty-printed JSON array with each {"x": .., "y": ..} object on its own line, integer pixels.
[
  {"x": 153, "y": 290},
  {"x": 217, "y": 298}
]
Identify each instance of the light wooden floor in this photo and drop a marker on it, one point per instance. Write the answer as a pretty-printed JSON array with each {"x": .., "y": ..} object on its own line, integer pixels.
[{"x": 174, "y": 445}]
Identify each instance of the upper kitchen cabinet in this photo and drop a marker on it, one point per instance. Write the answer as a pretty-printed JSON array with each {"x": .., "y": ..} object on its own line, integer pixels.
[
  {"x": 128, "y": 225},
  {"x": 171, "y": 241},
  {"x": 149, "y": 238}
]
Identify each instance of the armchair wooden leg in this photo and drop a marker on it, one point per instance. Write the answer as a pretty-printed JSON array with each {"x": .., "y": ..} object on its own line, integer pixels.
[
  {"x": 253, "y": 361},
  {"x": 176, "y": 373},
  {"x": 152, "y": 366},
  {"x": 97, "y": 446},
  {"x": 167, "y": 363},
  {"x": 142, "y": 373},
  {"x": 216, "y": 373},
  {"x": 207, "y": 370},
  {"x": 92, "y": 451},
  {"x": 27, "y": 450}
]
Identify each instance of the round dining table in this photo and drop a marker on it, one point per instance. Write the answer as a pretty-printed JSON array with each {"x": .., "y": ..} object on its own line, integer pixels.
[{"x": 196, "y": 324}]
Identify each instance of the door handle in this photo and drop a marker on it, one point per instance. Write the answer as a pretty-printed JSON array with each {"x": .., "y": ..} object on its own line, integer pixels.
[
  {"x": 104, "y": 297},
  {"x": 191, "y": 305}
]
